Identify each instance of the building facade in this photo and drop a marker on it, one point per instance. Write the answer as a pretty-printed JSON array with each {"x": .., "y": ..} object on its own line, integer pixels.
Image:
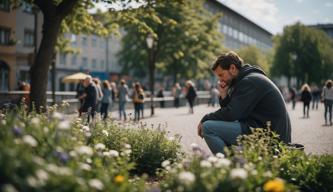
[
  {"x": 327, "y": 28},
  {"x": 239, "y": 31}
]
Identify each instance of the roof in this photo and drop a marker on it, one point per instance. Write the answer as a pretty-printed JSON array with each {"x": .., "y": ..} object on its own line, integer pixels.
[{"x": 240, "y": 15}]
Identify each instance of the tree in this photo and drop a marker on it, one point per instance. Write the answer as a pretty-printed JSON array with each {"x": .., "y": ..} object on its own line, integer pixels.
[
  {"x": 59, "y": 16},
  {"x": 255, "y": 56},
  {"x": 186, "y": 36},
  {"x": 304, "y": 53}
]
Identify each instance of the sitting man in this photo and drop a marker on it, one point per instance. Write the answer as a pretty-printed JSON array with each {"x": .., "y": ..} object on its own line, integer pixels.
[{"x": 247, "y": 99}]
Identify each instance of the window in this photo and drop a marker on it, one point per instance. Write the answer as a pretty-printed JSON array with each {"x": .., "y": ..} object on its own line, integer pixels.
[
  {"x": 94, "y": 41},
  {"x": 62, "y": 59},
  {"x": 102, "y": 65},
  {"x": 103, "y": 43},
  {"x": 4, "y": 36},
  {"x": 94, "y": 63},
  {"x": 73, "y": 40},
  {"x": 84, "y": 41},
  {"x": 26, "y": 7},
  {"x": 5, "y": 5},
  {"x": 225, "y": 29},
  {"x": 28, "y": 38},
  {"x": 4, "y": 76},
  {"x": 235, "y": 33},
  {"x": 74, "y": 59},
  {"x": 84, "y": 62}
]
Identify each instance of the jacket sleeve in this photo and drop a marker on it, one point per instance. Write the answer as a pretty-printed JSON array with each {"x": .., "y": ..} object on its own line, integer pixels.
[{"x": 242, "y": 102}]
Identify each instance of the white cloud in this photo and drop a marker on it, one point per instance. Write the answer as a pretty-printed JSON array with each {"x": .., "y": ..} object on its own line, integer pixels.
[
  {"x": 299, "y": 1},
  {"x": 328, "y": 4},
  {"x": 262, "y": 12}
]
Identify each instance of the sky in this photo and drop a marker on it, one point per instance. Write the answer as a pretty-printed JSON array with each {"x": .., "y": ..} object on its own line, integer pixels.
[{"x": 273, "y": 15}]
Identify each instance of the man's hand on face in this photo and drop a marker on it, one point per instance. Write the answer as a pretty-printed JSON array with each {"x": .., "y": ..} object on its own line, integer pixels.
[
  {"x": 200, "y": 133},
  {"x": 223, "y": 88}
]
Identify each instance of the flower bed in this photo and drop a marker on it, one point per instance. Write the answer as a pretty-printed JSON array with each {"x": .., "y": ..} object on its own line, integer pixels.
[{"x": 48, "y": 152}]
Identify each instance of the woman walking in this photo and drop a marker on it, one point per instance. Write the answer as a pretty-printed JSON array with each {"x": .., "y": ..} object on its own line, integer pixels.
[
  {"x": 106, "y": 99},
  {"x": 327, "y": 96},
  {"x": 138, "y": 100},
  {"x": 306, "y": 98},
  {"x": 191, "y": 94}
]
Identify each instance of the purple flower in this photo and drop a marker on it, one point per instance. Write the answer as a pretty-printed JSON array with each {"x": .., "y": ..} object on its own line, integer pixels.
[
  {"x": 62, "y": 156},
  {"x": 17, "y": 131}
]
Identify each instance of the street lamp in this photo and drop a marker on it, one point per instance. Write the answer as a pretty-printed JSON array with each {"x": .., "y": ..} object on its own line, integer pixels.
[{"x": 151, "y": 63}]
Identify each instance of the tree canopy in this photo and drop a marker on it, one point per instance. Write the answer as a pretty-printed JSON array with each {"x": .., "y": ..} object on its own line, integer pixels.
[
  {"x": 186, "y": 36},
  {"x": 255, "y": 56},
  {"x": 303, "y": 52}
]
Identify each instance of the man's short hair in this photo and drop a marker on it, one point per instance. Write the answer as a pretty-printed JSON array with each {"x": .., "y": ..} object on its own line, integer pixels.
[{"x": 226, "y": 59}]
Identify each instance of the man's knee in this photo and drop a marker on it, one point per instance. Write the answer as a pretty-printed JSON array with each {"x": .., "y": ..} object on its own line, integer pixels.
[{"x": 207, "y": 127}]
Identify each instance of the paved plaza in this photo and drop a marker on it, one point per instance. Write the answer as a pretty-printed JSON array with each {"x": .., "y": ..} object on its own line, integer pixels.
[{"x": 317, "y": 138}]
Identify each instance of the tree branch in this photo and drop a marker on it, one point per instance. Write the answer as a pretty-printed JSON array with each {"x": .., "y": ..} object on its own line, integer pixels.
[
  {"x": 44, "y": 5},
  {"x": 66, "y": 7}
]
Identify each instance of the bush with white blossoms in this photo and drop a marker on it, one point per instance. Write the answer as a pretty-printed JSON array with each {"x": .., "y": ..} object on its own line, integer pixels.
[{"x": 45, "y": 152}]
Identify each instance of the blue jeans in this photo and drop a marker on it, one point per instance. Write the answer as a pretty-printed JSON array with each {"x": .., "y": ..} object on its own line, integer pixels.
[
  {"x": 219, "y": 134},
  {"x": 122, "y": 106}
]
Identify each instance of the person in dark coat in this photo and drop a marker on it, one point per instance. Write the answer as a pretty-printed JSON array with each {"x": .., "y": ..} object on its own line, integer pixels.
[
  {"x": 160, "y": 94},
  {"x": 306, "y": 99},
  {"x": 248, "y": 98},
  {"x": 90, "y": 98},
  {"x": 191, "y": 94}
]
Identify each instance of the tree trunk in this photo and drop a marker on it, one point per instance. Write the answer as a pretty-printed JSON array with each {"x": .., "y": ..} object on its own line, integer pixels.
[{"x": 39, "y": 71}]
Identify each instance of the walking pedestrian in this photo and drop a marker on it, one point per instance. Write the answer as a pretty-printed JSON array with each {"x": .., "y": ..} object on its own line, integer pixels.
[
  {"x": 327, "y": 96},
  {"x": 106, "y": 99},
  {"x": 138, "y": 100},
  {"x": 191, "y": 94},
  {"x": 306, "y": 98},
  {"x": 122, "y": 99},
  {"x": 176, "y": 92},
  {"x": 90, "y": 98}
]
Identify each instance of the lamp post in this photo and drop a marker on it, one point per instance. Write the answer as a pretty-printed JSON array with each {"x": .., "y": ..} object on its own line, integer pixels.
[{"x": 151, "y": 63}]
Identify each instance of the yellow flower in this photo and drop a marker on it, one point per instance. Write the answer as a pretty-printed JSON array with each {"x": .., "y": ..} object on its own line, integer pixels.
[
  {"x": 275, "y": 185},
  {"x": 119, "y": 179}
]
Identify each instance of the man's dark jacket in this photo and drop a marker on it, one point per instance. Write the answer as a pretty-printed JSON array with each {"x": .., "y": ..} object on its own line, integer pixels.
[{"x": 253, "y": 100}]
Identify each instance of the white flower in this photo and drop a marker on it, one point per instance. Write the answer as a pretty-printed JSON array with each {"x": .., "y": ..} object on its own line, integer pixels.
[
  {"x": 35, "y": 121},
  {"x": 64, "y": 171},
  {"x": 127, "y": 152},
  {"x": 268, "y": 174},
  {"x": 73, "y": 153},
  {"x": 88, "y": 160},
  {"x": 96, "y": 184},
  {"x": 114, "y": 153},
  {"x": 223, "y": 163},
  {"x": 186, "y": 177},
  {"x": 220, "y": 155},
  {"x": 127, "y": 146},
  {"x": 64, "y": 125},
  {"x": 42, "y": 175},
  {"x": 194, "y": 146},
  {"x": 205, "y": 164},
  {"x": 32, "y": 181},
  {"x": 85, "y": 166},
  {"x": 171, "y": 138},
  {"x": 88, "y": 134},
  {"x": 212, "y": 159},
  {"x": 238, "y": 173},
  {"x": 85, "y": 128},
  {"x": 28, "y": 139},
  {"x": 165, "y": 163},
  {"x": 99, "y": 146},
  {"x": 38, "y": 160},
  {"x": 84, "y": 150},
  {"x": 105, "y": 133},
  {"x": 46, "y": 129},
  {"x": 9, "y": 188},
  {"x": 57, "y": 115}
]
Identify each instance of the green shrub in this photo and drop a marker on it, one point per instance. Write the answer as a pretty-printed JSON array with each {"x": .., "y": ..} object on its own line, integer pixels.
[
  {"x": 48, "y": 153},
  {"x": 148, "y": 147}
]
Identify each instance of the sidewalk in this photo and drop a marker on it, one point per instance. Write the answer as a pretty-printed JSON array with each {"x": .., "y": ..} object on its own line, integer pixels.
[{"x": 316, "y": 138}]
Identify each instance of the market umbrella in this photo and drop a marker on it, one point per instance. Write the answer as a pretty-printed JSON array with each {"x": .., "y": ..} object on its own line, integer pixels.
[{"x": 74, "y": 78}]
